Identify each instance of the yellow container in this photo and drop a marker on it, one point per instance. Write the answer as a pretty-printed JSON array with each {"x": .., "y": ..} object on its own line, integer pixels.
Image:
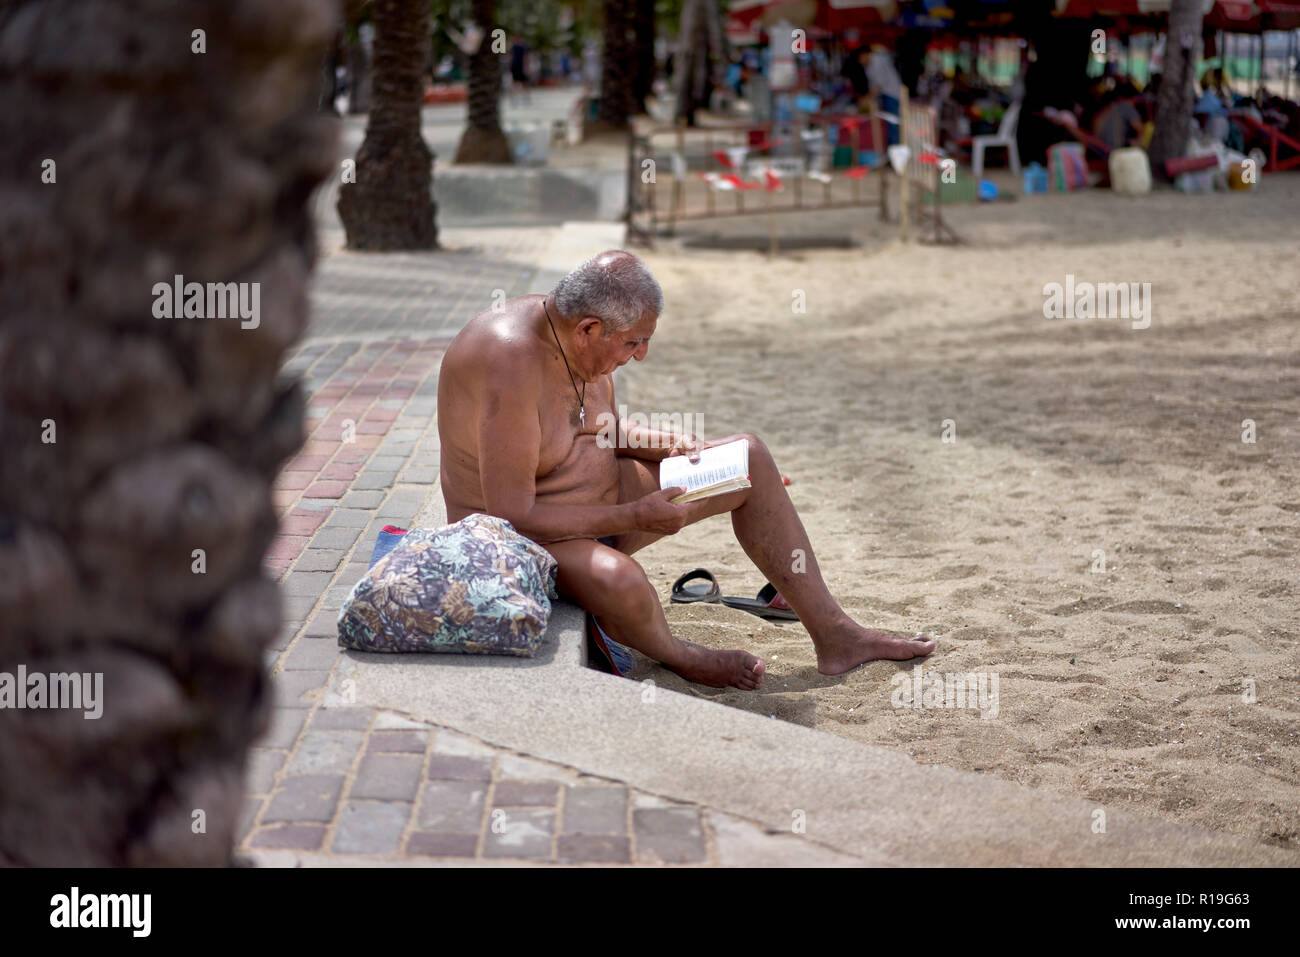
[{"x": 1237, "y": 176}]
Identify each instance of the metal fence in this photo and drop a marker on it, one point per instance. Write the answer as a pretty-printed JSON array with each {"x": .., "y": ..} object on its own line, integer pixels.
[{"x": 820, "y": 161}]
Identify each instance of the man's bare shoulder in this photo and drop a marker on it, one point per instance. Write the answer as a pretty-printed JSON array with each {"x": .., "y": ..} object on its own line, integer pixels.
[{"x": 496, "y": 346}]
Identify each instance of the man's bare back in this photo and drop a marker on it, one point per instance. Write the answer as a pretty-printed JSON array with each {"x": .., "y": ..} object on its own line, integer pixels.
[{"x": 524, "y": 399}]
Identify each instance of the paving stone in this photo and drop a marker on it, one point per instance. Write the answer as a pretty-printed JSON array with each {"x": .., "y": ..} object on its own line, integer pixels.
[
  {"x": 408, "y": 742},
  {"x": 371, "y": 827},
  {"x": 327, "y": 489},
  {"x": 319, "y": 560},
  {"x": 388, "y": 463},
  {"x": 447, "y": 741},
  {"x": 312, "y": 654},
  {"x": 284, "y": 728},
  {"x": 429, "y": 844},
  {"x": 347, "y": 518},
  {"x": 450, "y": 767},
  {"x": 293, "y": 837},
  {"x": 595, "y": 810},
  {"x": 522, "y": 833},
  {"x": 305, "y": 797},
  {"x": 374, "y": 479},
  {"x": 669, "y": 835},
  {"x": 325, "y": 624},
  {"x": 261, "y": 768},
  {"x": 525, "y": 794},
  {"x": 302, "y": 581},
  {"x": 390, "y": 721},
  {"x": 297, "y": 606},
  {"x": 594, "y": 849},
  {"x": 291, "y": 686},
  {"x": 358, "y": 500},
  {"x": 388, "y": 777},
  {"x": 421, "y": 475},
  {"x": 341, "y": 719},
  {"x": 325, "y": 752},
  {"x": 336, "y": 537},
  {"x": 528, "y": 769},
  {"x": 452, "y": 806}
]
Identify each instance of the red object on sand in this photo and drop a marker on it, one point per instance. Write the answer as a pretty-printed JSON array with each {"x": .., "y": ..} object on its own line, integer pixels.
[
  {"x": 1190, "y": 164},
  {"x": 785, "y": 479}
]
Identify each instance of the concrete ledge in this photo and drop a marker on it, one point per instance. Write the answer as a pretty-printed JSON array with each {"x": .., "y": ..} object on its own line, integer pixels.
[{"x": 510, "y": 195}]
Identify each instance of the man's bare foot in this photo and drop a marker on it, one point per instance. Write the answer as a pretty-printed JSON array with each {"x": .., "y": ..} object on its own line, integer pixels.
[
  {"x": 844, "y": 650},
  {"x": 719, "y": 669}
]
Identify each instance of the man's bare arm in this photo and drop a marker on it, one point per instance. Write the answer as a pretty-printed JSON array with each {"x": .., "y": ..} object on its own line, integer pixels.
[{"x": 509, "y": 445}]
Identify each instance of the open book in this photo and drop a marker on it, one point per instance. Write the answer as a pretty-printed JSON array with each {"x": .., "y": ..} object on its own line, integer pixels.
[{"x": 721, "y": 469}]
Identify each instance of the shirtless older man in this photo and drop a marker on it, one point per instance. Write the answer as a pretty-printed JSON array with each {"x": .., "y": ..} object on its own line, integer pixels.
[{"x": 521, "y": 399}]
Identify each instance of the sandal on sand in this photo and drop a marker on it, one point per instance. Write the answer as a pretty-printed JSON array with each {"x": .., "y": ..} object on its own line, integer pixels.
[
  {"x": 705, "y": 589},
  {"x": 768, "y": 605}
]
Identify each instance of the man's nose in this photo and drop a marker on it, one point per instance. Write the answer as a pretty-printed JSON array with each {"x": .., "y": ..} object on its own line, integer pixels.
[{"x": 641, "y": 351}]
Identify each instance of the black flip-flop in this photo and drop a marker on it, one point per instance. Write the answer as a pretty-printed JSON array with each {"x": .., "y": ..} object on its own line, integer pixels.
[
  {"x": 769, "y": 605},
  {"x": 696, "y": 585}
]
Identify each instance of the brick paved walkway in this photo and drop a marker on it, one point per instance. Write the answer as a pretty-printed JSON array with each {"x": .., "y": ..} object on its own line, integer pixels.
[{"x": 364, "y": 782}]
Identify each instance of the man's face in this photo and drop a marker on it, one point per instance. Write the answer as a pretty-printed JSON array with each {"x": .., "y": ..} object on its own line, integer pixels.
[{"x": 620, "y": 346}]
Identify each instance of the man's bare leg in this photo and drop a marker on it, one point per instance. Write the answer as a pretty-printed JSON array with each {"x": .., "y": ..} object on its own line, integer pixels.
[
  {"x": 614, "y": 588},
  {"x": 769, "y": 530}
]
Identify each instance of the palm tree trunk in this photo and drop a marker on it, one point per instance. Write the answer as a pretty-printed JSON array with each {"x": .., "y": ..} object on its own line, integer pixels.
[
  {"x": 390, "y": 206},
  {"x": 483, "y": 140},
  {"x": 644, "y": 31},
  {"x": 1174, "y": 104},
  {"x": 618, "y": 72},
  {"x": 138, "y": 449},
  {"x": 692, "y": 60}
]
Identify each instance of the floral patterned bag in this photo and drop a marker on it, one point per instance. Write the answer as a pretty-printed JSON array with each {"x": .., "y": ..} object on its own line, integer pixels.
[{"x": 475, "y": 587}]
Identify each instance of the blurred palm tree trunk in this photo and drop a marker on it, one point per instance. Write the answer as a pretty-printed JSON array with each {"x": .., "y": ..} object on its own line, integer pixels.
[
  {"x": 139, "y": 449},
  {"x": 644, "y": 31},
  {"x": 618, "y": 67},
  {"x": 1174, "y": 103},
  {"x": 390, "y": 206},
  {"x": 483, "y": 140}
]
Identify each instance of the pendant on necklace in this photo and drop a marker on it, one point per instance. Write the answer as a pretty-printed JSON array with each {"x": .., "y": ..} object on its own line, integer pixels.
[{"x": 582, "y": 416}]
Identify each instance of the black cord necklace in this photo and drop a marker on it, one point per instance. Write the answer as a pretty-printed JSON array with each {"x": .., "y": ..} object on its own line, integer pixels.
[{"x": 582, "y": 399}]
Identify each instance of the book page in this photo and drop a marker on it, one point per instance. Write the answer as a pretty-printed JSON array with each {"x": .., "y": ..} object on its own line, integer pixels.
[{"x": 722, "y": 464}]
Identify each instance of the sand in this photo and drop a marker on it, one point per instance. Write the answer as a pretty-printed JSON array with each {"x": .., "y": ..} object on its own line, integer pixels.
[{"x": 1127, "y": 686}]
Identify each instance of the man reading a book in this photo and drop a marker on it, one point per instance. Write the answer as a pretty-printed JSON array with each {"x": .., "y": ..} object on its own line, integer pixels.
[{"x": 522, "y": 395}]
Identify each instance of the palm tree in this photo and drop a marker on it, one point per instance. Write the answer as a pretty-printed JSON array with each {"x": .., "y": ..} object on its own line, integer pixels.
[
  {"x": 1174, "y": 103},
  {"x": 644, "y": 31},
  {"x": 618, "y": 69},
  {"x": 130, "y": 441},
  {"x": 483, "y": 141},
  {"x": 701, "y": 50},
  {"x": 390, "y": 206}
]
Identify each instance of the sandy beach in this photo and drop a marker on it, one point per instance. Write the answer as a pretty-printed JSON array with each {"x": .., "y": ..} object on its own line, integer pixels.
[{"x": 1127, "y": 676}]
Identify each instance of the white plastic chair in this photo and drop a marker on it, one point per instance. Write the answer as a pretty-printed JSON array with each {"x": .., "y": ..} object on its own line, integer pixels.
[{"x": 1005, "y": 136}]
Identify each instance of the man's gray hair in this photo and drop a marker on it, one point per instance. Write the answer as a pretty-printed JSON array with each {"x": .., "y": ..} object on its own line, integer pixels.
[{"x": 613, "y": 286}]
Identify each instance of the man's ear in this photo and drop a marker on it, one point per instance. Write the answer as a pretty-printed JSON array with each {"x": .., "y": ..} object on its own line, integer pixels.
[{"x": 589, "y": 329}]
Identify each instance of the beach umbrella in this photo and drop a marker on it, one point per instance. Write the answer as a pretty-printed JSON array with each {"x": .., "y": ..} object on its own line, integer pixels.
[{"x": 830, "y": 15}]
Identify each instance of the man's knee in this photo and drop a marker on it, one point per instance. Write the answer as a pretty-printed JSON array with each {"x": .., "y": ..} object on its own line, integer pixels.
[
  {"x": 621, "y": 580},
  {"x": 758, "y": 450}
]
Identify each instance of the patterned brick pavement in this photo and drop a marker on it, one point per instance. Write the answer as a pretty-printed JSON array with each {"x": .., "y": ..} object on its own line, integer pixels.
[{"x": 372, "y": 783}]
